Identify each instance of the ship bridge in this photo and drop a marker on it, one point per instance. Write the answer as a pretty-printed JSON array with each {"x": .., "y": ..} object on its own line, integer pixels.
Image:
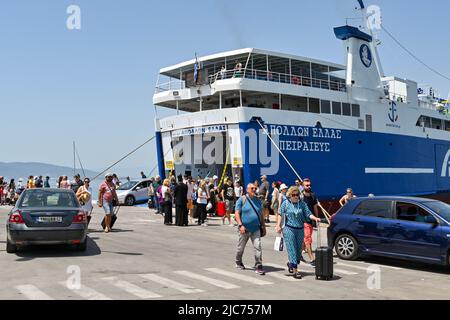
[{"x": 249, "y": 78}]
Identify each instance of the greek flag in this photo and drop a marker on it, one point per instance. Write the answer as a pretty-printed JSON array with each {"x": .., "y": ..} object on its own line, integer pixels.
[{"x": 196, "y": 72}]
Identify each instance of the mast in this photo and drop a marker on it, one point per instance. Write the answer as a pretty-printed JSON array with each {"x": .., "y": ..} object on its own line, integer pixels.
[{"x": 74, "y": 163}]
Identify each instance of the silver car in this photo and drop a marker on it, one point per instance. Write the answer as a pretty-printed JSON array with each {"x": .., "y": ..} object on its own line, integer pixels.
[
  {"x": 133, "y": 192},
  {"x": 46, "y": 216}
]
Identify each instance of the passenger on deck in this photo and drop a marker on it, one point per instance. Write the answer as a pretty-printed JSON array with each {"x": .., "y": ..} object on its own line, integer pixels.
[
  {"x": 223, "y": 73},
  {"x": 238, "y": 70},
  {"x": 347, "y": 197}
]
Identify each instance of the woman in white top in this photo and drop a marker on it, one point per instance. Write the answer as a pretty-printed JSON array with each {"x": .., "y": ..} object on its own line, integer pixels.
[
  {"x": 84, "y": 196},
  {"x": 202, "y": 200},
  {"x": 238, "y": 190}
]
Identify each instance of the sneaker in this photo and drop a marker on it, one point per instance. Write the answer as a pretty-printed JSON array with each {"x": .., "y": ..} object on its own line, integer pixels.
[
  {"x": 240, "y": 266},
  {"x": 302, "y": 259},
  {"x": 297, "y": 275},
  {"x": 313, "y": 263},
  {"x": 260, "y": 271}
]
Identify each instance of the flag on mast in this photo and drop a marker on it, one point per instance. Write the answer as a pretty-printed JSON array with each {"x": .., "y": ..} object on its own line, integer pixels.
[{"x": 196, "y": 68}]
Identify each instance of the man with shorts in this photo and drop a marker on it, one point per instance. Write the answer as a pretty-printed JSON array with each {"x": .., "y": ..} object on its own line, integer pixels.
[
  {"x": 311, "y": 200},
  {"x": 106, "y": 197},
  {"x": 229, "y": 197}
]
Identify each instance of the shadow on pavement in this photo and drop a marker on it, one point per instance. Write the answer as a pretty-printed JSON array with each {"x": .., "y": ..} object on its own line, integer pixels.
[
  {"x": 112, "y": 231},
  {"x": 29, "y": 253},
  {"x": 412, "y": 265},
  {"x": 125, "y": 253}
]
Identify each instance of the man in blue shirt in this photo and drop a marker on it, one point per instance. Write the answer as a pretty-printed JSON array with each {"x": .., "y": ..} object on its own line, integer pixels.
[{"x": 251, "y": 223}]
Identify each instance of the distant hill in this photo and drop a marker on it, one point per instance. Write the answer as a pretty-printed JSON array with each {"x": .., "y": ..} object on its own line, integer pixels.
[{"x": 18, "y": 170}]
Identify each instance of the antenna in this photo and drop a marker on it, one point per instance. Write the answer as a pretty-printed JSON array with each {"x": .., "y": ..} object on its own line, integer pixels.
[
  {"x": 74, "y": 161},
  {"x": 361, "y": 3}
]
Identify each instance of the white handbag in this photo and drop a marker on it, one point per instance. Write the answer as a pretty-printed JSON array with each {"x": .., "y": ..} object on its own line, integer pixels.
[{"x": 278, "y": 244}]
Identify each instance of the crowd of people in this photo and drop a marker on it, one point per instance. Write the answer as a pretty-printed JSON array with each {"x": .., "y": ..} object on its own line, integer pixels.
[{"x": 296, "y": 208}]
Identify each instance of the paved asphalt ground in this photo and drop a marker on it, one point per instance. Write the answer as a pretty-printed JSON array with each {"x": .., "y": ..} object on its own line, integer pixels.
[{"x": 144, "y": 259}]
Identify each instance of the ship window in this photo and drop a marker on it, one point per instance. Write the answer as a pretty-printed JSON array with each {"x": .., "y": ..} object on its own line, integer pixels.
[
  {"x": 314, "y": 105},
  {"x": 447, "y": 125},
  {"x": 325, "y": 106},
  {"x": 346, "y": 110},
  {"x": 302, "y": 104},
  {"x": 424, "y": 122},
  {"x": 355, "y": 110},
  {"x": 337, "y": 108},
  {"x": 320, "y": 76},
  {"x": 436, "y": 123},
  {"x": 361, "y": 124},
  {"x": 302, "y": 69}
]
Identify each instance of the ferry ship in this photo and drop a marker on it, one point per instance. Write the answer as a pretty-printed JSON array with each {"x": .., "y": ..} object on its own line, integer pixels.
[{"x": 253, "y": 112}]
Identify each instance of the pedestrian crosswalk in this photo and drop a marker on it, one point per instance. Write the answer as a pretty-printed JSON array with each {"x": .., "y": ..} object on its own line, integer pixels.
[{"x": 170, "y": 283}]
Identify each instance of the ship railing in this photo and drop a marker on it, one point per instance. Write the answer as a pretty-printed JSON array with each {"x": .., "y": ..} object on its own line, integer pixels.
[
  {"x": 170, "y": 85},
  {"x": 265, "y": 75}
]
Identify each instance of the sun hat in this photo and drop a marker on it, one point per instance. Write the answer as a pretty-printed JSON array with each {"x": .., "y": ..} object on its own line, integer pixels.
[
  {"x": 283, "y": 186},
  {"x": 109, "y": 174}
]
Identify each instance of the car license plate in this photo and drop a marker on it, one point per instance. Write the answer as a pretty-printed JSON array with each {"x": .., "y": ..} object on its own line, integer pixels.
[{"x": 49, "y": 219}]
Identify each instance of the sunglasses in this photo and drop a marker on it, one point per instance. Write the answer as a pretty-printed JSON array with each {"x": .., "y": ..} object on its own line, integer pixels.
[
  {"x": 253, "y": 189},
  {"x": 86, "y": 181},
  {"x": 295, "y": 195}
]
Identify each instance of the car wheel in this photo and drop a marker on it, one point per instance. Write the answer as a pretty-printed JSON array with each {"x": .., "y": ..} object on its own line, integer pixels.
[
  {"x": 10, "y": 248},
  {"x": 129, "y": 201},
  {"x": 346, "y": 247}
]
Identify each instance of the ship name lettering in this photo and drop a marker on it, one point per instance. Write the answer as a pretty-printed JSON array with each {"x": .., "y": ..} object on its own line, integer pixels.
[
  {"x": 327, "y": 133},
  {"x": 311, "y": 146},
  {"x": 289, "y": 131}
]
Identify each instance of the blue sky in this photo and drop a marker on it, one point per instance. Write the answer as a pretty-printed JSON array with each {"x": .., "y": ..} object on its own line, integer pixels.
[{"x": 95, "y": 85}]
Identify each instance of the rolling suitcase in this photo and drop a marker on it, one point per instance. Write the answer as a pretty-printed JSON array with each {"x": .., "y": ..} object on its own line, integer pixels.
[
  {"x": 113, "y": 218},
  {"x": 324, "y": 260}
]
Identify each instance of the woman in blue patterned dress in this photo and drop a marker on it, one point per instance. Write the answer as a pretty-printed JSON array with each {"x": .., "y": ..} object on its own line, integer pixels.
[{"x": 295, "y": 213}]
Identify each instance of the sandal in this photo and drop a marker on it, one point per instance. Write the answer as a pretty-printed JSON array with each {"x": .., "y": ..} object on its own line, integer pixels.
[
  {"x": 289, "y": 268},
  {"x": 297, "y": 275}
]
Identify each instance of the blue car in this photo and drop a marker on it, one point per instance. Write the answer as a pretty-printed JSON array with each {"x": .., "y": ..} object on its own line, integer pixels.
[{"x": 406, "y": 228}]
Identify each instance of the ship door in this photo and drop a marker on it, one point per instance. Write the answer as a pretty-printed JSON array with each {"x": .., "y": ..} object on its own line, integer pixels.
[{"x": 442, "y": 167}]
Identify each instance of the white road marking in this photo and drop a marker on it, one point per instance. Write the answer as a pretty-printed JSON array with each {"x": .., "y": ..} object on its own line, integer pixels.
[
  {"x": 380, "y": 265},
  {"x": 348, "y": 273},
  {"x": 132, "y": 288},
  {"x": 351, "y": 266},
  {"x": 214, "y": 282},
  {"x": 87, "y": 293},
  {"x": 283, "y": 277},
  {"x": 170, "y": 283},
  {"x": 238, "y": 276},
  {"x": 32, "y": 292},
  {"x": 274, "y": 274}
]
